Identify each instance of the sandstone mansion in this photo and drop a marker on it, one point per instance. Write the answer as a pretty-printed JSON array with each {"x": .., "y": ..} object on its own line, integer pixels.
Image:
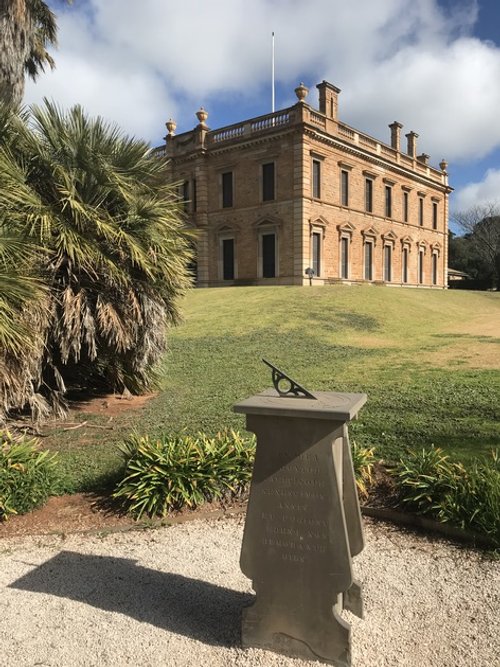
[{"x": 297, "y": 194}]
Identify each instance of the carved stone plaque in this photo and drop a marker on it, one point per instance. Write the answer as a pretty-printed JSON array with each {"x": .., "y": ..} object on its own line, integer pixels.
[{"x": 302, "y": 527}]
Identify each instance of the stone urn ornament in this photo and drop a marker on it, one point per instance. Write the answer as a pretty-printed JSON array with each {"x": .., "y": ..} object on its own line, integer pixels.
[
  {"x": 202, "y": 116},
  {"x": 301, "y": 91}
]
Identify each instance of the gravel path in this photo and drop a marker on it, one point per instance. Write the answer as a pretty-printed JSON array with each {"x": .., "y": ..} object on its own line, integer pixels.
[{"x": 173, "y": 597}]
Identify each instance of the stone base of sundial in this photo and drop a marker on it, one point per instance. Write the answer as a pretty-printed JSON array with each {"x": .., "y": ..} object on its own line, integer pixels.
[{"x": 303, "y": 526}]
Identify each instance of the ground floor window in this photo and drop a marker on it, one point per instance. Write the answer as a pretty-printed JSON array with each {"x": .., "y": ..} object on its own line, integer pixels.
[
  {"x": 387, "y": 263},
  {"x": 316, "y": 253},
  {"x": 268, "y": 255},
  {"x": 420, "y": 266},
  {"x": 227, "y": 259},
  {"x": 404, "y": 265},
  {"x": 434, "y": 268},
  {"x": 344, "y": 257},
  {"x": 368, "y": 260}
]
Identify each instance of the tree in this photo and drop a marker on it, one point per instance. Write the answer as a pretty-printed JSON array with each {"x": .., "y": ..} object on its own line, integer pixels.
[
  {"x": 481, "y": 225},
  {"x": 27, "y": 27},
  {"x": 113, "y": 255},
  {"x": 21, "y": 292}
]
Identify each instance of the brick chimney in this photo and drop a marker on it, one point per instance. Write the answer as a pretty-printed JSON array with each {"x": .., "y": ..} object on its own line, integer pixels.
[
  {"x": 412, "y": 144},
  {"x": 396, "y": 135},
  {"x": 328, "y": 99}
]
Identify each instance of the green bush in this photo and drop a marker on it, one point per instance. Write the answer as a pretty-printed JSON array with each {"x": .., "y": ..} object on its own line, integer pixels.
[
  {"x": 174, "y": 471},
  {"x": 27, "y": 476},
  {"x": 469, "y": 497}
]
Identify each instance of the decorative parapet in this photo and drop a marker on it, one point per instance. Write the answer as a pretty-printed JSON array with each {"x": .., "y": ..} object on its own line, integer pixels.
[
  {"x": 367, "y": 142},
  {"x": 226, "y": 134},
  {"x": 317, "y": 119},
  {"x": 252, "y": 127},
  {"x": 346, "y": 131},
  {"x": 159, "y": 152},
  {"x": 299, "y": 113}
]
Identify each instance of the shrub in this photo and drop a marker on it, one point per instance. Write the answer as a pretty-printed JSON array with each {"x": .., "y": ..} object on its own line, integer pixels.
[
  {"x": 174, "y": 471},
  {"x": 27, "y": 476},
  {"x": 469, "y": 497},
  {"x": 363, "y": 459}
]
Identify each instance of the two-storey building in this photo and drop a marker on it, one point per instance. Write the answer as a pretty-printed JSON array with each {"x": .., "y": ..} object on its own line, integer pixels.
[{"x": 275, "y": 196}]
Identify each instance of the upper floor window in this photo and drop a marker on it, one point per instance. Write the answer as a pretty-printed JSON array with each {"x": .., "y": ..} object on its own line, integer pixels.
[
  {"x": 421, "y": 211},
  {"x": 185, "y": 195},
  {"x": 405, "y": 206},
  {"x": 388, "y": 201},
  {"x": 268, "y": 182},
  {"x": 316, "y": 179},
  {"x": 434, "y": 215},
  {"x": 227, "y": 189},
  {"x": 369, "y": 195},
  {"x": 194, "y": 196},
  {"x": 344, "y": 187}
]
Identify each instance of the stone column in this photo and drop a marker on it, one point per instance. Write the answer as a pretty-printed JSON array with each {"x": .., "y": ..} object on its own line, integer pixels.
[{"x": 303, "y": 526}]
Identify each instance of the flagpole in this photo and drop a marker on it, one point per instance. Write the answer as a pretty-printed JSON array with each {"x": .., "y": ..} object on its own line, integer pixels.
[{"x": 272, "y": 75}]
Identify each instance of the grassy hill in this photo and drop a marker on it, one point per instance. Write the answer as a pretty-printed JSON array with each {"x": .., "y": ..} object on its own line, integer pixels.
[{"x": 428, "y": 360}]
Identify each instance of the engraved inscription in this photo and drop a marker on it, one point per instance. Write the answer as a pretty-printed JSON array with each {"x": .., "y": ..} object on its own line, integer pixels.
[{"x": 292, "y": 533}]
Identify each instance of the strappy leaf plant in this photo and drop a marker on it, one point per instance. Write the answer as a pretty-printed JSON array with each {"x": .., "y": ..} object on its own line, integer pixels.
[
  {"x": 28, "y": 476},
  {"x": 172, "y": 472}
]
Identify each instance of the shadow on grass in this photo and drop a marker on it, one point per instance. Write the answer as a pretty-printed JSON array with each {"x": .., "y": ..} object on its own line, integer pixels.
[{"x": 189, "y": 607}]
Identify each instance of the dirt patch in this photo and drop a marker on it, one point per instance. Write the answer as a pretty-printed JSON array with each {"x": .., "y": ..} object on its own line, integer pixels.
[
  {"x": 65, "y": 514},
  {"x": 89, "y": 512},
  {"x": 110, "y": 404}
]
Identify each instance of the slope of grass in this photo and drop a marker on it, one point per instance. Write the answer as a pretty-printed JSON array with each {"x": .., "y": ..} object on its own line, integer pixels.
[{"x": 428, "y": 360}]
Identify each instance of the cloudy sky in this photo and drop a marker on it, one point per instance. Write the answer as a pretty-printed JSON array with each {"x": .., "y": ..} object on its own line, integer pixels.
[{"x": 433, "y": 65}]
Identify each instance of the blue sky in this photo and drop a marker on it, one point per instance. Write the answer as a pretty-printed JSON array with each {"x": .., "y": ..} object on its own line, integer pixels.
[{"x": 433, "y": 65}]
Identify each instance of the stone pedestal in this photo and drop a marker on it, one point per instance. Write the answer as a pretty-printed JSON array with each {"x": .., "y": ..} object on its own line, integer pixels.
[{"x": 303, "y": 526}]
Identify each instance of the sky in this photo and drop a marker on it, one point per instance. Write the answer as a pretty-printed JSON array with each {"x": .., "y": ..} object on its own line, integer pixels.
[{"x": 432, "y": 65}]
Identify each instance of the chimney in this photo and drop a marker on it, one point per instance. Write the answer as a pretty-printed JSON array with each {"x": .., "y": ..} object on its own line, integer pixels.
[
  {"x": 328, "y": 99},
  {"x": 423, "y": 158},
  {"x": 412, "y": 144},
  {"x": 396, "y": 135}
]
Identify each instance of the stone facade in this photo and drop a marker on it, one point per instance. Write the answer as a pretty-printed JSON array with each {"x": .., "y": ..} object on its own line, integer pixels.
[{"x": 298, "y": 195}]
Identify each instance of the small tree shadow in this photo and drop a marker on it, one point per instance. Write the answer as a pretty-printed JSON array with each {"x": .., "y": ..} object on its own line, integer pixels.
[{"x": 190, "y": 607}]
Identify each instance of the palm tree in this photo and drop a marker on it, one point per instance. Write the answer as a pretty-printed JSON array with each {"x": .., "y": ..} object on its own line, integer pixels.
[
  {"x": 21, "y": 292},
  {"x": 115, "y": 250},
  {"x": 27, "y": 27}
]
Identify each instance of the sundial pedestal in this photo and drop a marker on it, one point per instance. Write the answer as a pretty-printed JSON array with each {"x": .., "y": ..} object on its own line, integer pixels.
[{"x": 303, "y": 526}]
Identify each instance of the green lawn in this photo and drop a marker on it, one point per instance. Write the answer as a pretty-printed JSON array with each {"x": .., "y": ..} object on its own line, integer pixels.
[{"x": 428, "y": 360}]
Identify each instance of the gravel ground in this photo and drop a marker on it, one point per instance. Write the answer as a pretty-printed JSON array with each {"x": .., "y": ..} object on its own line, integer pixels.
[{"x": 173, "y": 597}]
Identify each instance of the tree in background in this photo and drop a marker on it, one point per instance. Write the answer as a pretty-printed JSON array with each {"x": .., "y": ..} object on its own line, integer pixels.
[
  {"x": 27, "y": 27},
  {"x": 478, "y": 251},
  {"x": 108, "y": 242}
]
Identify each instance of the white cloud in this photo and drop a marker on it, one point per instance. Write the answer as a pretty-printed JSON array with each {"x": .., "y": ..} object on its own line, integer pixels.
[
  {"x": 486, "y": 191},
  {"x": 141, "y": 62},
  {"x": 99, "y": 75}
]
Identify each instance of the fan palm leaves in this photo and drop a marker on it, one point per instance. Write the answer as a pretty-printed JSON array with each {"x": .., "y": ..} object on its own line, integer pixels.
[
  {"x": 113, "y": 248},
  {"x": 23, "y": 297}
]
